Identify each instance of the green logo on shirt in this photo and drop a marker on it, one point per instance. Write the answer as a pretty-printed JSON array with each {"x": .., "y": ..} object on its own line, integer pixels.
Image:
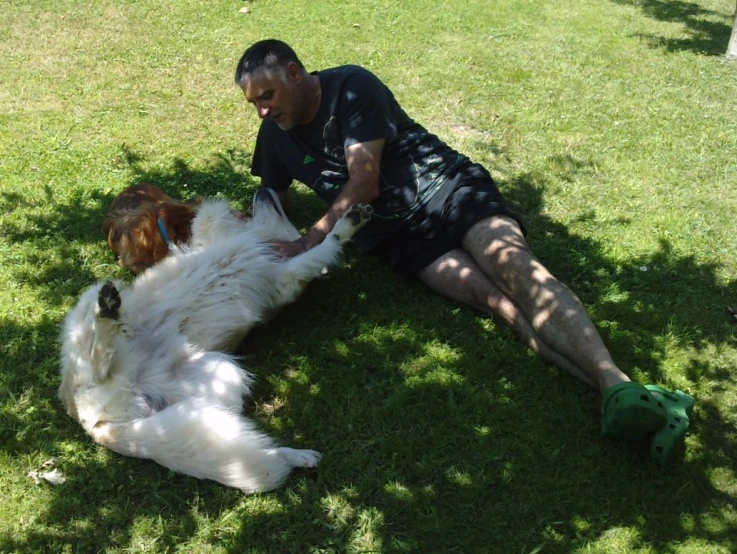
[{"x": 308, "y": 160}]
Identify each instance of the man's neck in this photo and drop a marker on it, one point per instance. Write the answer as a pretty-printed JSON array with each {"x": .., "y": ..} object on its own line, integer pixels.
[{"x": 313, "y": 97}]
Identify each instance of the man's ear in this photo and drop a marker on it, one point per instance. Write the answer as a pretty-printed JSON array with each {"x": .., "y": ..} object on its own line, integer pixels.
[{"x": 294, "y": 73}]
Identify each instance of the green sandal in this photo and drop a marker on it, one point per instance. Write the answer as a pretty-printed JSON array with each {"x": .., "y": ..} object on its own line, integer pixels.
[
  {"x": 629, "y": 411},
  {"x": 668, "y": 442}
]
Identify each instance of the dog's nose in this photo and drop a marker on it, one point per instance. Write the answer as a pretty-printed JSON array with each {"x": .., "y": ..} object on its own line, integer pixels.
[{"x": 264, "y": 194}]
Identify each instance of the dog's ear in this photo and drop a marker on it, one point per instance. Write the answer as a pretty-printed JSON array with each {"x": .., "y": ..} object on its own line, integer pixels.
[
  {"x": 137, "y": 241},
  {"x": 149, "y": 246},
  {"x": 178, "y": 220},
  {"x": 112, "y": 239}
]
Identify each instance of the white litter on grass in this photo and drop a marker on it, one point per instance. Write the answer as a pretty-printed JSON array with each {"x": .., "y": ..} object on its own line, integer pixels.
[
  {"x": 55, "y": 477},
  {"x": 51, "y": 462},
  {"x": 643, "y": 268},
  {"x": 244, "y": 9}
]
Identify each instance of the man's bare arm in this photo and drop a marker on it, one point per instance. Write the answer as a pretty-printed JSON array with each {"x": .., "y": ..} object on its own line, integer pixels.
[{"x": 364, "y": 168}]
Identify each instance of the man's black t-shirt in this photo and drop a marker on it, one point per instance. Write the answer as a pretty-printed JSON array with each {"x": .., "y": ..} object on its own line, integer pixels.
[{"x": 357, "y": 107}]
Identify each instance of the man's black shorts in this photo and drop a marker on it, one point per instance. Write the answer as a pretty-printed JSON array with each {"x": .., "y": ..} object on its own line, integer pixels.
[{"x": 466, "y": 197}]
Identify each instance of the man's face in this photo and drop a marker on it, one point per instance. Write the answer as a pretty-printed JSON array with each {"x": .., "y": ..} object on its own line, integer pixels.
[{"x": 276, "y": 96}]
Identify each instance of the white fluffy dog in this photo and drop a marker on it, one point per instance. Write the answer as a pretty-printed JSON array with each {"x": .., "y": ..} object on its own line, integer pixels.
[{"x": 144, "y": 368}]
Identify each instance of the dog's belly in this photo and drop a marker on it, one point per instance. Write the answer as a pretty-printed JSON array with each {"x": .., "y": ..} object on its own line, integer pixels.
[{"x": 212, "y": 297}]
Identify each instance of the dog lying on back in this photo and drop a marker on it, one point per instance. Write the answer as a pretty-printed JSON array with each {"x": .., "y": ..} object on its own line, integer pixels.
[
  {"x": 143, "y": 222},
  {"x": 145, "y": 368}
]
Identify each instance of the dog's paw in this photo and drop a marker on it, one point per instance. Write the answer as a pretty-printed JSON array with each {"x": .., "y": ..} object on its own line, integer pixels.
[
  {"x": 301, "y": 458},
  {"x": 355, "y": 218},
  {"x": 108, "y": 301},
  {"x": 359, "y": 214}
]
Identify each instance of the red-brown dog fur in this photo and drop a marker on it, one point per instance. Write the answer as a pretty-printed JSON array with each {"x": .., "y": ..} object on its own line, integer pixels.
[{"x": 132, "y": 226}]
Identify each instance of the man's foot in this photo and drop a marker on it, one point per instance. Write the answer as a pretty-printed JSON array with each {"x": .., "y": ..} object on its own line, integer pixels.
[
  {"x": 633, "y": 412},
  {"x": 668, "y": 442},
  {"x": 629, "y": 411}
]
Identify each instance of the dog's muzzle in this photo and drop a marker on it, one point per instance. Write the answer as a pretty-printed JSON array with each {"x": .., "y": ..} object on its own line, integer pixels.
[{"x": 269, "y": 197}]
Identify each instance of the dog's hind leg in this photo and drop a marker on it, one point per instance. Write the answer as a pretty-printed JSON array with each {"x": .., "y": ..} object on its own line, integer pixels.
[
  {"x": 207, "y": 441},
  {"x": 299, "y": 458},
  {"x": 107, "y": 327}
]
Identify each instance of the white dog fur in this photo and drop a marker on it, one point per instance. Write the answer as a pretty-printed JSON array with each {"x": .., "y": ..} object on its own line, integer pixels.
[{"x": 145, "y": 369}]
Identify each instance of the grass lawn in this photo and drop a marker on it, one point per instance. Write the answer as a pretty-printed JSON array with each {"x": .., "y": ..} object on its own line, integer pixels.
[{"x": 611, "y": 125}]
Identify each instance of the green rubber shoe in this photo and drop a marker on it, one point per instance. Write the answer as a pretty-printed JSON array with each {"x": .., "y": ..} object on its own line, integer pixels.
[
  {"x": 630, "y": 411},
  {"x": 668, "y": 443}
]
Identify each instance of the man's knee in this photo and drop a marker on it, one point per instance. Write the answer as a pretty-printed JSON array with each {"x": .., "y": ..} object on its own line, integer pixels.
[{"x": 496, "y": 236}]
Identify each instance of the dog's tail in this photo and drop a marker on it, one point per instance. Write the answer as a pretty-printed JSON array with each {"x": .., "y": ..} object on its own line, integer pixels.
[{"x": 206, "y": 441}]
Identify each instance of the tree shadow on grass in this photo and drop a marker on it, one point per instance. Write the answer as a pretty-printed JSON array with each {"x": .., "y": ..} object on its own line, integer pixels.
[
  {"x": 104, "y": 495},
  {"x": 708, "y": 30},
  {"x": 484, "y": 448},
  {"x": 226, "y": 174},
  {"x": 440, "y": 432},
  {"x": 106, "y": 499},
  {"x": 66, "y": 245}
]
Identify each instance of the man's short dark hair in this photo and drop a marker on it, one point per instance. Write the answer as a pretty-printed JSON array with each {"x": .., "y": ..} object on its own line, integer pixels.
[{"x": 265, "y": 55}]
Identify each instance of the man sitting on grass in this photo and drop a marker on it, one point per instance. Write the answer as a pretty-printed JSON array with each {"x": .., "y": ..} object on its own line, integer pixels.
[{"x": 438, "y": 217}]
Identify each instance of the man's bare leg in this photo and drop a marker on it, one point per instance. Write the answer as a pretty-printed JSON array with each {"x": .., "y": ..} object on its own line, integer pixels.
[
  {"x": 456, "y": 276},
  {"x": 556, "y": 315},
  {"x": 629, "y": 410},
  {"x": 497, "y": 267}
]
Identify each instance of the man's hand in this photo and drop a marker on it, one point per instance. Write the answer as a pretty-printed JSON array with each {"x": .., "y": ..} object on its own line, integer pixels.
[
  {"x": 239, "y": 214},
  {"x": 287, "y": 249}
]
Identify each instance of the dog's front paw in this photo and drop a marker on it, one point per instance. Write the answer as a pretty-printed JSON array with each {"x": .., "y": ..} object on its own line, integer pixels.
[
  {"x": 359, "y": 214},
  {"x": 108, "y": 301},
  {"x": 355, "y": 218}
]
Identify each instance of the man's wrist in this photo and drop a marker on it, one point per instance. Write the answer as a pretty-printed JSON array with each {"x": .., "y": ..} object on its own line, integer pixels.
[{"x": 312, "y": 238}]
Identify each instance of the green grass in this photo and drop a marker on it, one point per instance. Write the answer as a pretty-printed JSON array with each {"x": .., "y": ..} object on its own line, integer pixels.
[{"x": 611, "y": 126}]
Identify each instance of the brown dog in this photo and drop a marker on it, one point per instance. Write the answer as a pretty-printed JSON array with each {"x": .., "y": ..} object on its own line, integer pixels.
[{"x": 143, "y": 221}]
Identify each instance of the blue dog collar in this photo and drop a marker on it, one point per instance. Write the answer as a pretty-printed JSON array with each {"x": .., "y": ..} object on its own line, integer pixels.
[{"x": 162, "y": 230}]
